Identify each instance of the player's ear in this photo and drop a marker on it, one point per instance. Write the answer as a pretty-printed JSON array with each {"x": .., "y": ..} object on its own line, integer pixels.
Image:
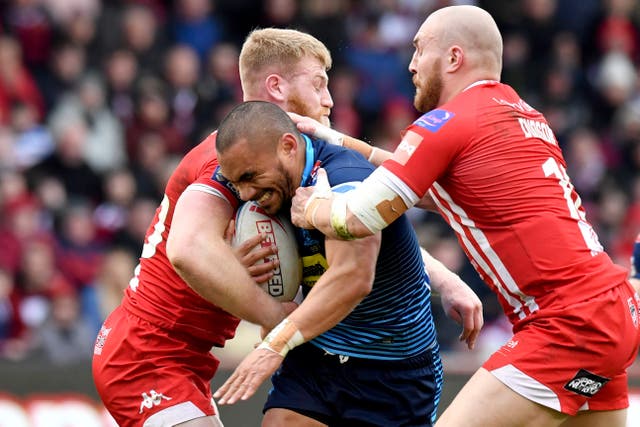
[
  {"x": 276, "y": 87},
  {"x": 455, "y": 58},
  {"x": 288, "y": 144}
]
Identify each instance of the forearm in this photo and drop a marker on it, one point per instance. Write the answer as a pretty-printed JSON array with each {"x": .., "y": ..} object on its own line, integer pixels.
[
  {"x": 375, "y": 155},
  {"x": 440, "y": 276},
  {"x": 227, "y": 284},
  {"x": 340, "y": 289},
  {"x": 205, "y": 261}
]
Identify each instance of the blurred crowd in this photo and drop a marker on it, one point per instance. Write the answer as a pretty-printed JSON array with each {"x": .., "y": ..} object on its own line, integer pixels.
[{"x": 99, "y": 100}]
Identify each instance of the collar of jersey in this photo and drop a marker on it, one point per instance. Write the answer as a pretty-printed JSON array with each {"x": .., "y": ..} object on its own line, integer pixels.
[{"x": 308, "y": 161}]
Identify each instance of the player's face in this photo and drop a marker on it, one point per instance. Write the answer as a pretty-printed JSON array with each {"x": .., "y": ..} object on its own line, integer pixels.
[
  {"x": 259, "y": 175},
  {"x": 426, "y": 69},
  {"x": 428, "y": 89},
  {"x": 307, "y": 92}
]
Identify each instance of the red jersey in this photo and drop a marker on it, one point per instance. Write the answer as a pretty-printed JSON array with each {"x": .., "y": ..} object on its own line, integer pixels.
[
  {"x": 156, "y": 293},
  {"x": 497, "y": 174}
]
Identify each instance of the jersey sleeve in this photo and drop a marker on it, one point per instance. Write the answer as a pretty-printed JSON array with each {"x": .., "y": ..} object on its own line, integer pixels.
[
  {"x": 216, "y": 184},
  {"x": 428, "y": 146}
]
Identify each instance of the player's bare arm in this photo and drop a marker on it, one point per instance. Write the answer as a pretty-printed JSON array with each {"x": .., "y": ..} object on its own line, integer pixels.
[
  {"x": 326, "y": 305},
  {"x": 198, "y": 251},
  {"x": 459, "y": 301}
]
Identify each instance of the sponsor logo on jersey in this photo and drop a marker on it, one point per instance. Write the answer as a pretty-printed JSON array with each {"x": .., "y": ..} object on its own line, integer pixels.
[
  {"x": 312, "y": 268},
  {"x": 407, "y": 147},
  {"x": 152, "y": 399},
  {"x": 218, "y": 177},
  {"x": 586, "y": 383},
  {"x": 633, "y": 311},
  {"x": 100, "y": 340},
  {"x": 434, "y": 120}
]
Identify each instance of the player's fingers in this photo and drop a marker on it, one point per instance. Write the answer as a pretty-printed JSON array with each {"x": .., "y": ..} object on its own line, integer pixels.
[
  {"x": 223, "y": 390},
  {"x": 304, "y": 124},
  {"x": 245, "y": 247},
  {"x": 234, "y": 390}
]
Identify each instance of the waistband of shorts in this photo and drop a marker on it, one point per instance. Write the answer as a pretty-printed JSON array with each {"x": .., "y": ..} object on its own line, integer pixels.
[{"x": 420, "y": 360}]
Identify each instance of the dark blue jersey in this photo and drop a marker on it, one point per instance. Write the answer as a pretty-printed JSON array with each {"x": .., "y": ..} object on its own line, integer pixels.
[{"x": 394, "y": 321}]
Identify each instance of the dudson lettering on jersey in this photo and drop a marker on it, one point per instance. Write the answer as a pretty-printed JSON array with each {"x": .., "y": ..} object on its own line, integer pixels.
[{"x": 537, "y": 129}]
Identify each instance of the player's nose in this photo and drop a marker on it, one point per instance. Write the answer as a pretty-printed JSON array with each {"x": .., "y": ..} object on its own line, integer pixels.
[{"x": 247, "y": 192}]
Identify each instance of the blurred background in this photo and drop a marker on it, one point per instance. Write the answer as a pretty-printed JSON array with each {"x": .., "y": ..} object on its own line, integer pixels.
[{"x": 99, "y": 100}]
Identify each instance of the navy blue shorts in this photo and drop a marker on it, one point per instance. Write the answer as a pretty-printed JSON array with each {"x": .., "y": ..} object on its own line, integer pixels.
[{"x": 358, "y": 392}]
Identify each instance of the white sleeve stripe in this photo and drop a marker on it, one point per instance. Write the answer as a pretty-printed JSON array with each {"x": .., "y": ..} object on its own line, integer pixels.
[
  {"x": 209, "y": 190},
  {"x": 381, "y": 185},
  {"x": 459, "y": 220},
  {"x": 396, "y": 185}
]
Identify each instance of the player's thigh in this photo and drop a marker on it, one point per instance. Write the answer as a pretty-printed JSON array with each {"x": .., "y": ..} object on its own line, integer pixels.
[
  {"x": 279, "y": 417},
  {"x": 616, "y": 418},
  {"x": 212, "y": 421},
  {"x": 485, "y": 401}
]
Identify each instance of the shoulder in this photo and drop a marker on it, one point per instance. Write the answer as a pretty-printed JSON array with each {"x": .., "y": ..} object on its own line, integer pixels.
[{"x": 342, "y": 164}]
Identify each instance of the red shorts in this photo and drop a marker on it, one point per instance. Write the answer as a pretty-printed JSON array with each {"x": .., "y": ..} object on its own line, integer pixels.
[
  {"x": 576, "y": 358},
  {"x": 148, "y": 376}
]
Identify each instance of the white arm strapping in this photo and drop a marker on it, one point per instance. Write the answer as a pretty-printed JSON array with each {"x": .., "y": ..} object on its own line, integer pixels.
[{"x": 381, "y": 185}]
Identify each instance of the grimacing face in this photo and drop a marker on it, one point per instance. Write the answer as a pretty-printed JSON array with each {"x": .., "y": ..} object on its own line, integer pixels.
[{"x": 259, "y": 175}]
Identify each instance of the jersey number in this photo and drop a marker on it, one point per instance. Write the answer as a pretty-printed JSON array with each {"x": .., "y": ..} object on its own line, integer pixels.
[
  {"x": 551, "y": 168},
  {"x": 155, "y": 238}
]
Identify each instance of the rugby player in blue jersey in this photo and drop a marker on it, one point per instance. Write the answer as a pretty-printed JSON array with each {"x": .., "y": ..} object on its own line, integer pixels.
[{"x": 361, "y": 349}]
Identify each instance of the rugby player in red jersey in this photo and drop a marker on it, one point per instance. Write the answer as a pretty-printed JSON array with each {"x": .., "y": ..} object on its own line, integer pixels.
[{"x": 494, "y": 169}]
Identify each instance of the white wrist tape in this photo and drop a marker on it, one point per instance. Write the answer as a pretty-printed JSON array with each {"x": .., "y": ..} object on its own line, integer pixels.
[
  {"x": 333, "y": 137},
  {"x": 284, "y": 337},
  {"x": 373, "y": 152},
  {"x": 339, "y": 217}
]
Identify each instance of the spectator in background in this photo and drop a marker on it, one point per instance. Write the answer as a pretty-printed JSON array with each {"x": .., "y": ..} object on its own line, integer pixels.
[
  {"x": 32, "y": 140},
  {"x": 32, "y": 25},
  {"x": 110, "y": 216},
  {"x": 218, "y": 87},
  {"x": 106, "y": 291},
  {"x": 120, "y": 69},
  {"x": 141, "y": 35},
  {"x": 181, "y": 72},
  {"x": 195, "y": 24},
  {"x": 153, "y": 116},
  {"x": 79, "y": 249},
  {"x": 13, "y": 344},
  {"x": 66, "y": 337},
  {"x": 104, "y": 147},
  {"x": 38, "y": 279},
  {"x": 16, "y": 81},
  {"x": 68, "y": 62},
  {"x": 68, "y": 162}
]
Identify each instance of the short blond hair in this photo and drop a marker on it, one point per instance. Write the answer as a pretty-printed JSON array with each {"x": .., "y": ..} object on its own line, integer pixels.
[{"x": 275, "y": 47}]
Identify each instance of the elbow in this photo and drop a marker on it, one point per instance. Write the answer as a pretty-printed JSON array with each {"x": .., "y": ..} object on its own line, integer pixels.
[
  {"x": 362, "y": 284},
  {"x": 178, "y": 254}
]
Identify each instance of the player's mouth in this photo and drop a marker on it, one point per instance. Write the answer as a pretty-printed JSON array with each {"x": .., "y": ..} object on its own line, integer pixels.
[{"x": 264, "y": 198}]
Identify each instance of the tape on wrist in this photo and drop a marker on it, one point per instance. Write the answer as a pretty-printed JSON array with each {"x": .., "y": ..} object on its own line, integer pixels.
[
  {"x": 283, "y": 338},
  {"x": 339, "y": 218},
  {"x": 373, "y": 152},
  {"x": 332, "y": 136},
  {"x": 310, "y": 211}
]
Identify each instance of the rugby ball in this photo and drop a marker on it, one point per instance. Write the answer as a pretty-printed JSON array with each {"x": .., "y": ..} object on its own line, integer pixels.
[{"x": 250, "y": 220}]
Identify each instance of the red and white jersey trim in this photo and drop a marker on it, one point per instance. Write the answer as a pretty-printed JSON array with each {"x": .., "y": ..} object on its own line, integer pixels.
[{"x": 476, "y": 243}]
